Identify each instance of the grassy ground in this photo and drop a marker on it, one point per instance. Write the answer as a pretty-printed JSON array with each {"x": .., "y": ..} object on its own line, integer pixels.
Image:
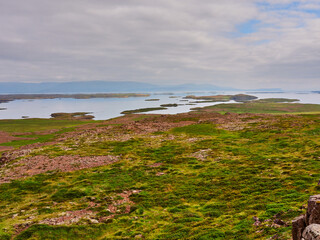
[
  {"x": 266, "y": 106},
  {"x": 223, "y": 98},
  {"x": 36, "y": 125},
  {"x": 37, "y": 130},
  {"x": 205, "y": 176},
  {"x": 277, "y": 100}
]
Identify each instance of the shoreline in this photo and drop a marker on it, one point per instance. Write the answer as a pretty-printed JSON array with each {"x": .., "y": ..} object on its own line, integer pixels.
[{"x": 4, "y": 98}]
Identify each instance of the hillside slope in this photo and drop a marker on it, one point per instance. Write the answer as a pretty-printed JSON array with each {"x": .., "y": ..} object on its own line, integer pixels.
[{"x": 198, "y": 175}]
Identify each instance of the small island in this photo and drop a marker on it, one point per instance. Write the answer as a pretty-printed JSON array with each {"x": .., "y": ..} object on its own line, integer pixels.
[
  {"x": 277, "y": 100},
  {"x": 268, "y": 105},
  {"x": 73, "y": 116},
  {"x": 222, "y": 98},
  {"x": 169, "y": 105},
  {"x": 140, "y": 110}
]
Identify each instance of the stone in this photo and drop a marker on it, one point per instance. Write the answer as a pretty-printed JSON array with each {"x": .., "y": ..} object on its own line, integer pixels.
[
  {"x": 274, "y": 225},
  {"x": 298, "y": 225},
  {"x": 160, "y": 173},
  {"x": 255, "y": 218},
  {"x": 280, "y": 222},
  {"x": 4, "y": 160},
  {"x": 94, "y": 221},
  {"x": 312, "y": 232},
  {"x": 257, "y": 222},
  {"x": 313, "y": 211}
]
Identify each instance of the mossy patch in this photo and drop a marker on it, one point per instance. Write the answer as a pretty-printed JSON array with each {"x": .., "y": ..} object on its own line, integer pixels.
[
  {"x": 198, "y": 129},
  {"x": 267, "y": 170}
]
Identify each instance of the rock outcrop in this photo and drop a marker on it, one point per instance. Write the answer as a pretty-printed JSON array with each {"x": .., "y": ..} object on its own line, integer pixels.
[
  {"x": 307, "y": 226},
  {"x": 313, "y": 212},
  {"x": 312, "y": 232},
  {"x": 298, "y": 225}
]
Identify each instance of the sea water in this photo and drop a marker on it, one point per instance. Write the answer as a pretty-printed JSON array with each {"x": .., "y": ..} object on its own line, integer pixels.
[{"x": 106, "y": 108}]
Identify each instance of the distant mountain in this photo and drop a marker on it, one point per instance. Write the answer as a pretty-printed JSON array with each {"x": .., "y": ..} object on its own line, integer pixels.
[
  {"x": 74, "y": 87},
  {"x": 198, "y": 87},
  {"x": 267, "y": 90},
  {"x": 101, "y": 87}
]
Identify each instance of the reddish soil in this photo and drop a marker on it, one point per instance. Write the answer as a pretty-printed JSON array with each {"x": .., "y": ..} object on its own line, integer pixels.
[
  {"x": 44, "y": 132},
  {"x": 155, "y": 165},
  {"x": 118, "y": 129},
  {"x": 7, "y": 137},
  {"x": 69, "y": 217},
  {"x": 118, "y": 206},
  {"x": 41, "y": 164},
  {"x": 5, "y": 148}
]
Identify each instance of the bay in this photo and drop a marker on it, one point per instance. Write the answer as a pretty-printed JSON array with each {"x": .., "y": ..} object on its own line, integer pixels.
[{"x": 106, "y": 108}]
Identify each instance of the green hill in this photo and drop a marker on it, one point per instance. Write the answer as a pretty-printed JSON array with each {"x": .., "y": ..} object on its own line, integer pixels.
[{"x": 198, "y": 175}]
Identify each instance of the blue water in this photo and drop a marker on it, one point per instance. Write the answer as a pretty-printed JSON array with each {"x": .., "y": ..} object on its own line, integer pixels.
[{"x": 106, "y": 108}]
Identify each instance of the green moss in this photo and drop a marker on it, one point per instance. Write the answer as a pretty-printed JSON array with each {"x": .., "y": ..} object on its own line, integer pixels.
[
  {"x": 36, "y": 124},
  {"x": 276, "y": 100},
  {"x": 263, "y": 107},
  {"x": 34, "y": 139},
  {"x": 267, "y": 169},
  {"x": 61, "y": 232},
  {"x": 67, "y": 194},
  {"x": 198, "y": 129}
]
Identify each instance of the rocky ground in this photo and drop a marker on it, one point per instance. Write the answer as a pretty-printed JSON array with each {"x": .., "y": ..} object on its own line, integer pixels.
[{"x": 204, "y": 175}]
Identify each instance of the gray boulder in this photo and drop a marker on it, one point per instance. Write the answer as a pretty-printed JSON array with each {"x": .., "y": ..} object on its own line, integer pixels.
[{"x": 312, "y": 232}]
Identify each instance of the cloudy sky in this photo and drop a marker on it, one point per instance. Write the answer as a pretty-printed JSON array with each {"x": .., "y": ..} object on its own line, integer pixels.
[{"x": 237, "y": 43}]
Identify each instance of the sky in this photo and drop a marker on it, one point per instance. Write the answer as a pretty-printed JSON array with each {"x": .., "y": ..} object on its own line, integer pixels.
[{"x": 232, "y": 43}]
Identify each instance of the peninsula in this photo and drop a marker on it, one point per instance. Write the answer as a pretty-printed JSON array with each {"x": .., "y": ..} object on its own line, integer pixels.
[{"x": 12, "y": 97}]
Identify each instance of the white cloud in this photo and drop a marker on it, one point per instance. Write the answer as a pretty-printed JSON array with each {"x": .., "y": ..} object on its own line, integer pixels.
[{"x": 160, "y": 41}]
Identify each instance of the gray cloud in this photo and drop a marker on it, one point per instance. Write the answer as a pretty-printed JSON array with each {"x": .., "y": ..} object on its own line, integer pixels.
[{"x": 165, "y": 41}]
